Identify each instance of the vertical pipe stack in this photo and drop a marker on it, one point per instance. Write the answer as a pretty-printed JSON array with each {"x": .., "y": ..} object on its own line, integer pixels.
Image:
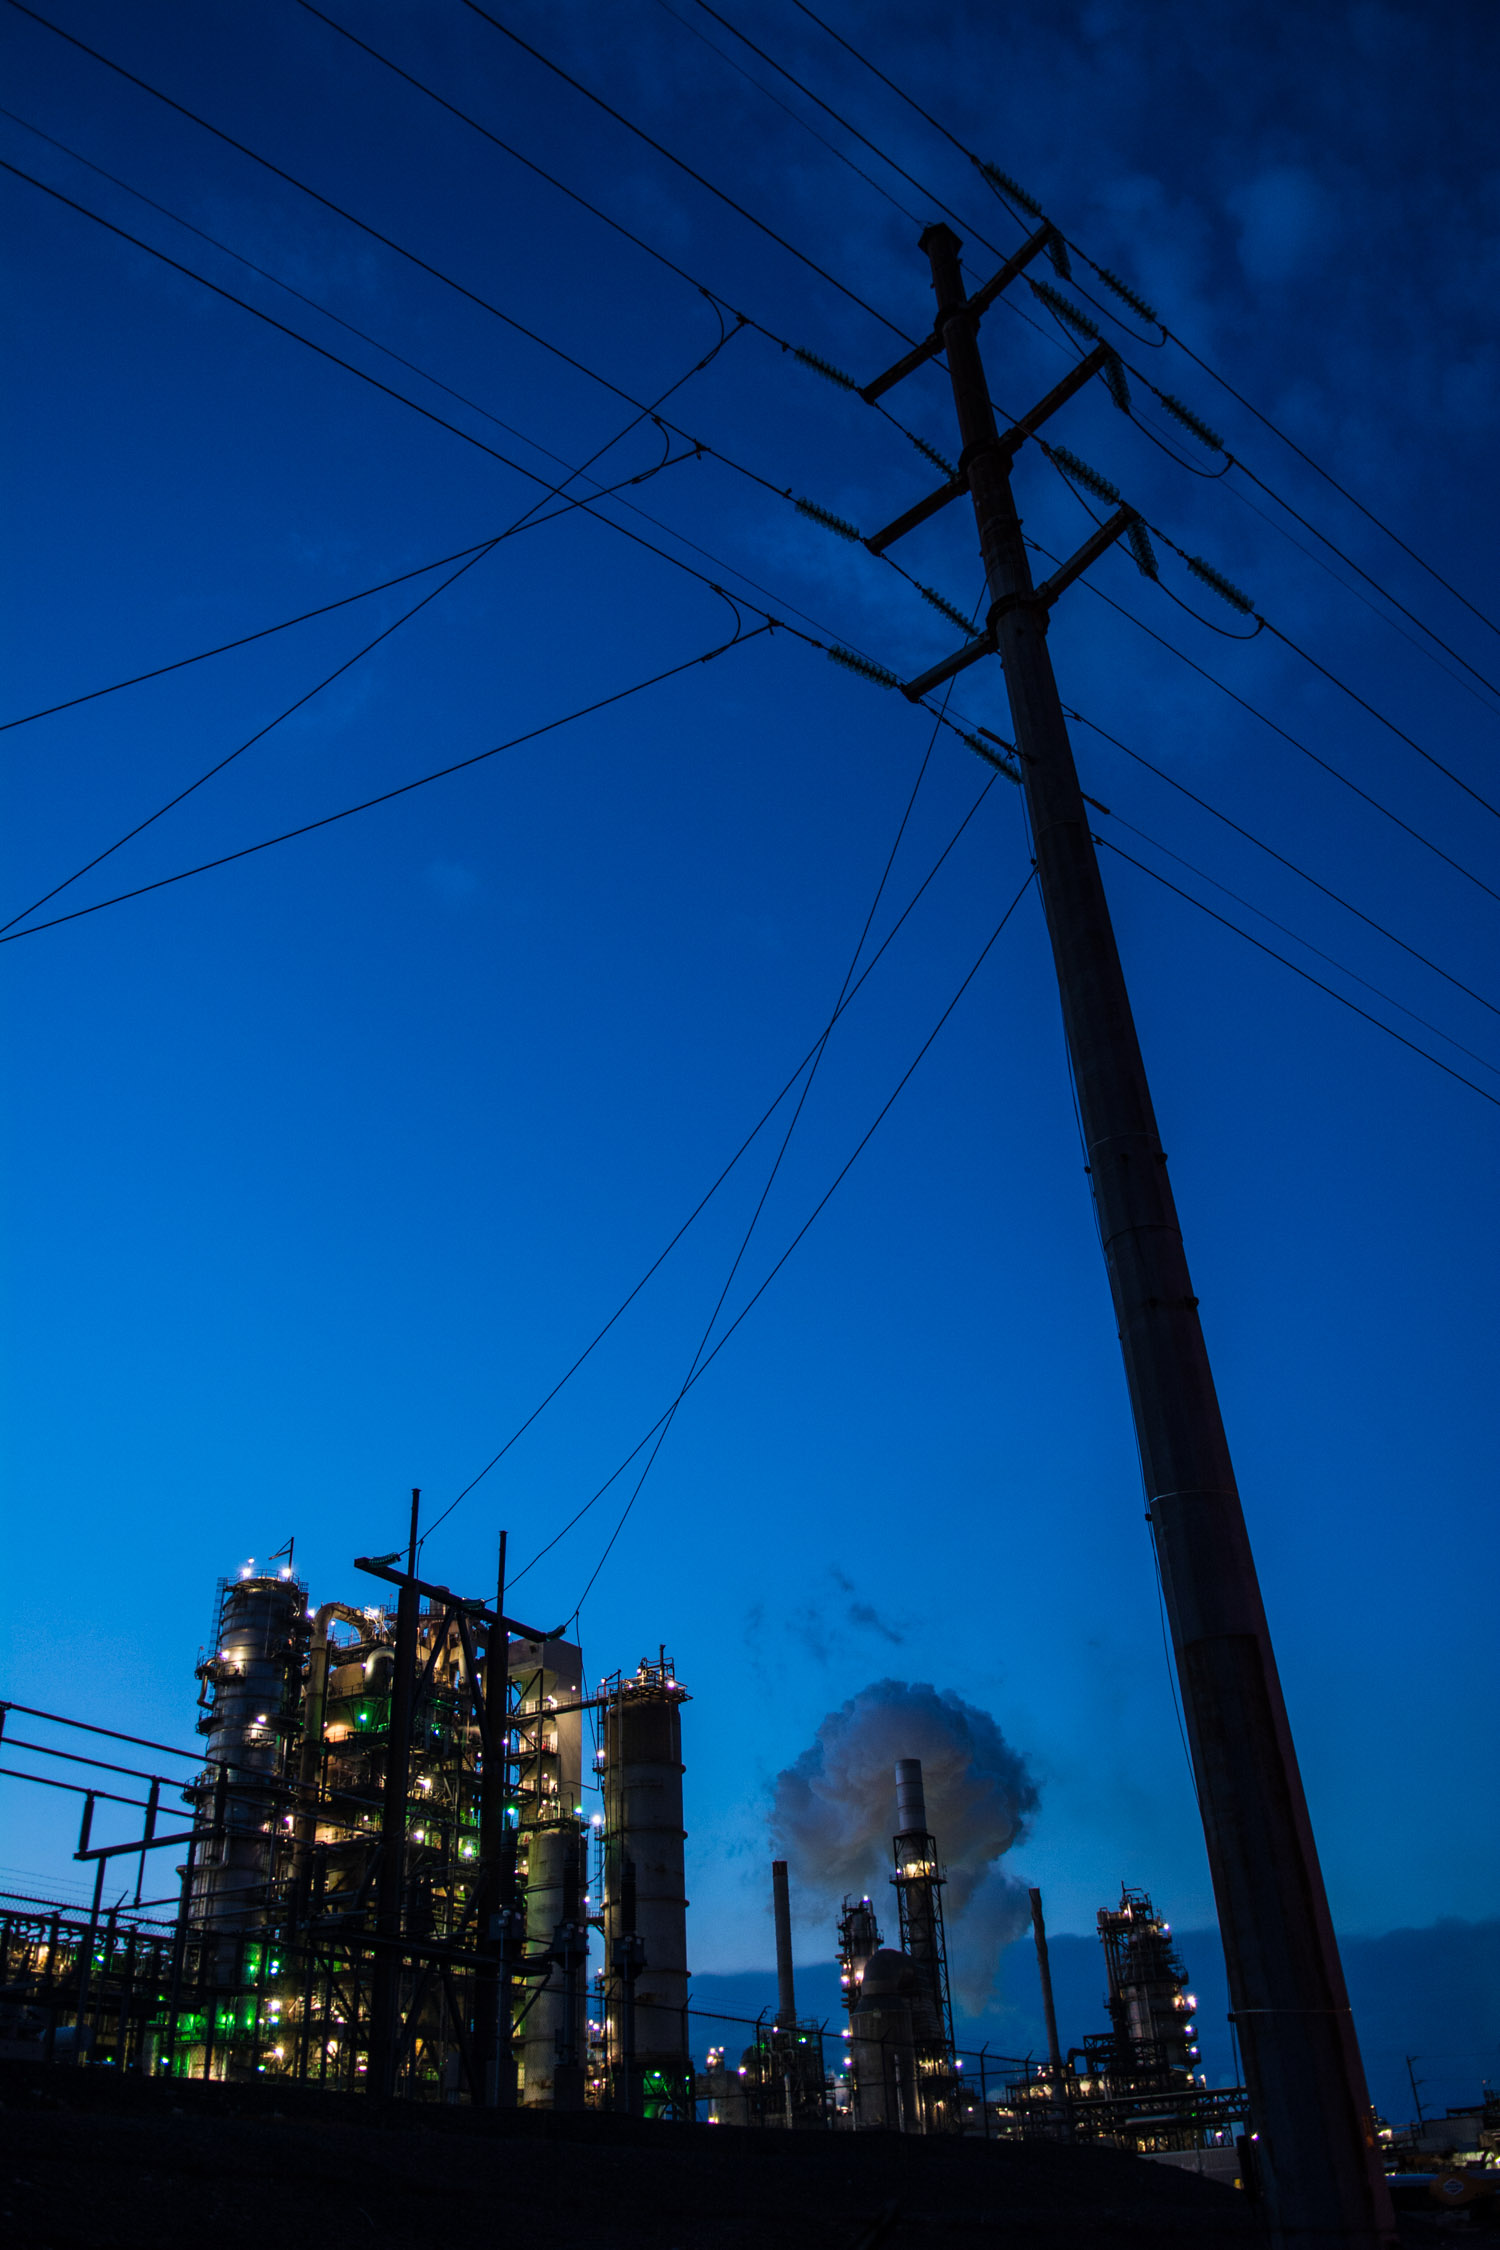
[
  {"x": 1044, "y": 1970},
  {"x": 786, "y": 1990},
  {"x": 549, "y": 1675},
  {"x": 918, "y": 1882}
]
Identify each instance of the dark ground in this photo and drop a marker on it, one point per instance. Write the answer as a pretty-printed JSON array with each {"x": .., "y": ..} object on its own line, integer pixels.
[{"x": 89, "y": 2161}]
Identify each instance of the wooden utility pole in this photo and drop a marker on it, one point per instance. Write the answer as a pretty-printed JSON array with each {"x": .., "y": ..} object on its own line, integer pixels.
[{"x": 1317, "y": 2157}]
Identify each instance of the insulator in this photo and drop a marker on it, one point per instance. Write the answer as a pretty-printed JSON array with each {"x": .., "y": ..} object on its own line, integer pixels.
[
  {"x": 835, "y": 524},
  {"x": 1082, "y": 474},
  {"x": 1065, "y": 311},
  {"x": 862, "y": 664},
  {"x": 941, "y": 603},
  {"x": 1220, "y": 584},
  {"x": 992, "y": 758},
  {"x": 1191, "y": 421},
  {"x": 1113, "y": 372},
  {"x": 1012, "y": 188},
  {"x": 824, "y": 368},
  {"x": 931, "y": 453},
  {"x": 1141, "y": 548},
  {"x": 1127, "y": 295},
  {"x": 1057, "y": 251}
]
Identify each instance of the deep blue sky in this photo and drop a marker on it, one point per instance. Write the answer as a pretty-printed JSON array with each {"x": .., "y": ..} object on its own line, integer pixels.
[{"x": 324, "y": 1167}]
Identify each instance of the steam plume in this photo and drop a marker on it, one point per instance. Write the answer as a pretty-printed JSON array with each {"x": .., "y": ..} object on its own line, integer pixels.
[{"x": 833, "y": 1813}]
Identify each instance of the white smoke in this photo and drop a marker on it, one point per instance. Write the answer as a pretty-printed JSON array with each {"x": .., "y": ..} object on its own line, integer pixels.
[{"x": 834, "y": 1812}]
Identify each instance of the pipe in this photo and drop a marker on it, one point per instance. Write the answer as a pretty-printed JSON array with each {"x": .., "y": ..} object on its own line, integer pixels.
[
  {"x": 911, "y": 1801},
  {"x": 1054, "y": 2051},
  {"x": 786, "y": 1996}
]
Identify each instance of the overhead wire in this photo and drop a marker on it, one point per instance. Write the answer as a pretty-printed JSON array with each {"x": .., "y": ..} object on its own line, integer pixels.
[
  {"x": 696, "y": 32},
  {"x": 244, "y": 640},
  {"x": 1265, "y": 624},
  {"x": 802, "y": 1231},
  {"x": 405, "y": 788},
  {"x": 903, "y": 94},
  {"x": 587, "y": 507},
  {"x": 1280, "y": 857},
  {"x": 291, "y": 179},
  {"x": 1067, "y": 340},
  {"x": 458, "y": 431},
  {"x": 713, "y": 296},
  {"x": 807, "y": 1085},
  {"x": 1230, "y": 460},
  {"x": 706, "y": 1198},
  {"x": 762, "y": 225},
  {"x": 530, "y": 521},
  {"x": 699, "y": 445},
  {"x": 531, "y": 518},
  {"x": 1305, "y": 749},
  {"x": 1296, "y": 935},
  {"x": 1297, "y": 970},
  {"x": 297, "y": 336}
]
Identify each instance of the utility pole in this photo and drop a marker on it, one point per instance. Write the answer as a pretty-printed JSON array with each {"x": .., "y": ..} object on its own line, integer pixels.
[{"x": 1317, "y": 2152}]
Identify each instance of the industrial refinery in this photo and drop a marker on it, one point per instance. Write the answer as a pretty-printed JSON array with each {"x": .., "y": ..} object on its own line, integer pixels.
[{"x": 428, "y": 1857}]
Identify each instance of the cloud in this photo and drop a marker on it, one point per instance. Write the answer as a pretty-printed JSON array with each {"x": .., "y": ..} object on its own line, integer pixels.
[{"x": 833, "y": 1811}]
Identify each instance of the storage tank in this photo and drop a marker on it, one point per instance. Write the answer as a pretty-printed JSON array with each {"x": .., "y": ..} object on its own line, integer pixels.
[{"x": 887, "y": 2019}]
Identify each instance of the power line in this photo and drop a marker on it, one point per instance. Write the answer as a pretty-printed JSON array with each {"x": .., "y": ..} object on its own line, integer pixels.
[
  {"x": 616, "y": 225},
  {"x": 807, "y": 1223},
  {"x": 1067, "y": 341},
  {"x": 740, "y": 468},
  {"x": 401, "y": 398},
  {"x": 1306, "y": 974},
  {"x": 263, "y": 632},
  {"x": 543, "y": 342},
  {"x": 704, "y": 1200},
  {"x": 837, "y": 115},
  {"x": 374, "y": 341},
  {"x": 1296, "y": 935},
  {"x": 723, "y": 196},
  {"x": 1222, "y": 380},
  {"x": 1390, "y": 724},
  {"x": 1231, "y": 460},
  {"x": 259, "y": 736},
  {"x": 461, "y": 765},
  {"x": 530, "y": 519},
  {"x": 1281, "y": 860},
  {"x": 1343, "y": 778},
  {"x": 750, "y": 79},
  {"x": 531, "y": 475},
  {"x": 786, "y": 1142},
  {"x": 1265, "y": 624},
  {"x": 386, "y": 241}
]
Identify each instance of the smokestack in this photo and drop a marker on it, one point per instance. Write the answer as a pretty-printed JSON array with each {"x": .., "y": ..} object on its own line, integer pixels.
[
  {"x": 911, "y": 1803},
  {"x": 786, "y": 1996},
  {"x": 1054, "y": 2051}
]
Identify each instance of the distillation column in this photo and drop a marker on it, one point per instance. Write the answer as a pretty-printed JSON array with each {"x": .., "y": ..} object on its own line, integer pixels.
[
  {"x": 547, "y": 1747},
  {"x": 645, "y": 1906},
  {"x": 255, "y": 1673}
]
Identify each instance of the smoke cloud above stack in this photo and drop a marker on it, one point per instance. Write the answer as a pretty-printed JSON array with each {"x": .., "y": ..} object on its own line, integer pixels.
[{"x": 833, "y": 1814}]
